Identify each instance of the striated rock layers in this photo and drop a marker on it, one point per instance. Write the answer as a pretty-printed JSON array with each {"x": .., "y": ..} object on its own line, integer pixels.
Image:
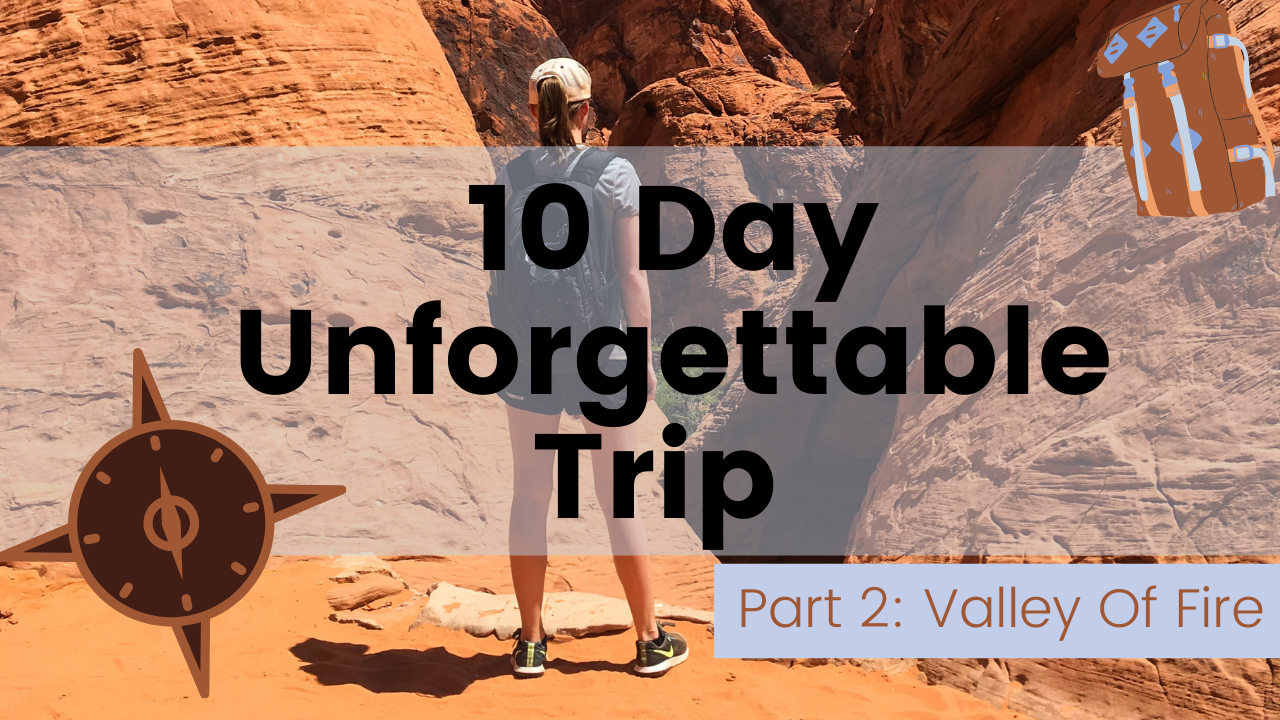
[
  {"x": 1174, "y": 456},
  {"x": 160, "y": 249},
  {"x": 232, "y": 72},
  {"x": 1085, "y": 689},
  {"x": 1177, "y": 457},
  {"x": 112, "y": 249}
]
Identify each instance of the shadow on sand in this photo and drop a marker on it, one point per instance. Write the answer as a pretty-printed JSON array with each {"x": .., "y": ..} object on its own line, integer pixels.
[{"x": 435, "y": 672}]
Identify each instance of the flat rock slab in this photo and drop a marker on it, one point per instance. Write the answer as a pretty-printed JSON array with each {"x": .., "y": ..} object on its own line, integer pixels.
[
  {"x": 575, "y": 614},
  {"x": 350, "y": 568},
  {"x": 369, "y": 588},
  {"x": 684, "y": 614},
  {"x": 475, "y": 613},
  {"x": 346, "y": 618},
  {"x": 578, "y": 614}
]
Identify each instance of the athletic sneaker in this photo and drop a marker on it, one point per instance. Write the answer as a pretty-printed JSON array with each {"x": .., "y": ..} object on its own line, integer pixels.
[
  {"x": 528, "y": 658},
  {"x": 654, "y": 657}
]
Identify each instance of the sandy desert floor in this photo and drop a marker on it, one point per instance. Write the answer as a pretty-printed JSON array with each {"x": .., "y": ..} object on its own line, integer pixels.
[{"x": 276, "y": 655}]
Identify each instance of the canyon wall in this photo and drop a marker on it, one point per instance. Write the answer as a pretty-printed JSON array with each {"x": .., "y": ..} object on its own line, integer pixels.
[
  {"x": 359, "y": 237},
  {"x": 1175, "y": 459},
  {"x": 230, "y": 72},
  {"x": 493, "y": 46}
]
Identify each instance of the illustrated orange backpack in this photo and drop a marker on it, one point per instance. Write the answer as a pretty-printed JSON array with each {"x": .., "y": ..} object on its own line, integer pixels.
[{"x": 1194, "y": 140}]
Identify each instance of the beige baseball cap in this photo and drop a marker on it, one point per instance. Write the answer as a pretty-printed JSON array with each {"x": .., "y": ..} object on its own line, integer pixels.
[{"x": 574, "y": 77}]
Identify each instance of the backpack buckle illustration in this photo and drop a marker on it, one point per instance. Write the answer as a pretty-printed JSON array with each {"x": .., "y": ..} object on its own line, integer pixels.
[
  {"x": 1152, "y": 32},
  {"x": 1115, "y": 49}
]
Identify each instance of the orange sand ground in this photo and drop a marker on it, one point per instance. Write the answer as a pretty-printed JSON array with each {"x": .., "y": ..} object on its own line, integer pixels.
[{"x": 276, "y": 655}]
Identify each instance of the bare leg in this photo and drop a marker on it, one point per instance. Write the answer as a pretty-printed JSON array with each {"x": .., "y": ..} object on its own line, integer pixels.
[
  {"x": 626, "y": 535},
  {"x": 527, "y": 534}
]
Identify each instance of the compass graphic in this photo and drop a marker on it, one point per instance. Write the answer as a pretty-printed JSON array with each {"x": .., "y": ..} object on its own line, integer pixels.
[{"x": 171, "y": 523}]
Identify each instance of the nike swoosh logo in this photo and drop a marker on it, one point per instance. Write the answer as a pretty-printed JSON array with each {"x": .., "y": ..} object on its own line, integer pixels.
[{"x": 666, "y": 653}]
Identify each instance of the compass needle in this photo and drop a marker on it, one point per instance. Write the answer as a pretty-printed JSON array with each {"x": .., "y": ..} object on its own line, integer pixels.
[
  {"x": 171, "y": 521},
  {"x": 174, "y": 539}
]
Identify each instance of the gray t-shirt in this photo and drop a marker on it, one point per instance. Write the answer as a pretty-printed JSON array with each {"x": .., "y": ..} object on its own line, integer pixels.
[{"x": 618, "y": 190}]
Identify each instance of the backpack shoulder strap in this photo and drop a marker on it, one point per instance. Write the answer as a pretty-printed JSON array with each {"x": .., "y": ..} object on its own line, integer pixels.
[
  {"x": 520, "y": 172},
  {"x": 591, "y": 165}
]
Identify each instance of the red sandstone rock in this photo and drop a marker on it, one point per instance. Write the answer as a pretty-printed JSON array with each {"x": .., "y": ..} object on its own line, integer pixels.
[
  {"x": 923, "y": 488},
  {"x": 729, "y": 106},
  {"x": 816, "y": 31},
  {"x": 1168, "y": 434},
  {"x": 644, "y": 41},
  {"x": 492, "y": 47},
  {"x": 888, "y": 54},
  {"x": 1114, "y": 689},
  {"x": 574, "y": 18},
  {"x": 230, "y": 72}
]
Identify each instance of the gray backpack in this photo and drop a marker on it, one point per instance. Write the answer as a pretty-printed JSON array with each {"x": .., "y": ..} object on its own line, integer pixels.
[{"x": 583, "y": 296}]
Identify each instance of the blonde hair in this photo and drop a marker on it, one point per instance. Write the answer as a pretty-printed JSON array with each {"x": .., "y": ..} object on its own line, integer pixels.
[{"x": 556, "y": 113}]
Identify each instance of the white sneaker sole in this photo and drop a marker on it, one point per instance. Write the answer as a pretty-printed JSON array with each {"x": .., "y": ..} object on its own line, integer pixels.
[
  {"x": 526, "y": 671},
  {"x": 662, "y": 666}
]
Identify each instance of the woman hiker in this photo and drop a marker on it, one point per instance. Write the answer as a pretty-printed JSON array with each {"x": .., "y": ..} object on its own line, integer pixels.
[{"x": 559, "y": 94}]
